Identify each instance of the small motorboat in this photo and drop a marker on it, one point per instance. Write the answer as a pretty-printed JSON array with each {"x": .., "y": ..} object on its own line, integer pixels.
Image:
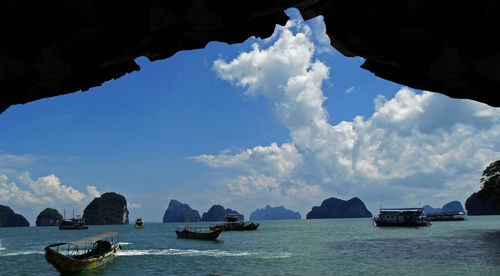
[
  {"x": 84, "y": 254},
  {"x": 232, "y": 224},
  {"x": 74, "y": 223},
  {"x": 199, "y": 232},
  {"x": 139, "y": 223},
  {"x": 446, "y": 216},
  {"x": 77, "y": 223}
]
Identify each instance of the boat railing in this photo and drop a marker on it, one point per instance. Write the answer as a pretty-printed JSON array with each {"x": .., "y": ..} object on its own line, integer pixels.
[
  {"x": 198, "y": 229},
  {"x": 85, "y": 245}
]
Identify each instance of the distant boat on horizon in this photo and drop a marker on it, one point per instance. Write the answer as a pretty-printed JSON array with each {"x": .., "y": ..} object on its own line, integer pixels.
[
  {"x": 77, "y": 223},
  {"x": 232, "y": 224},
  {"x": 447, "y": 216},
  {"x": 401, "y": 217},
  {"x": 74, "y": 223},
  {"x": 139, "y": 223}
]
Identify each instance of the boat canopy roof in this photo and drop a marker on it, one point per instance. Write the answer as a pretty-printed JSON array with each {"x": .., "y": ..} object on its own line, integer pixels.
[
  {"x": 92, "y": 239},
  {"x": 402, "y": 210}
]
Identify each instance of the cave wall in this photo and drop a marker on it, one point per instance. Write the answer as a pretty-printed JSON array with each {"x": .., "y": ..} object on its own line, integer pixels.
[
  {"x": 51, "y": 48},
  {"x": 450, "y": 47}
]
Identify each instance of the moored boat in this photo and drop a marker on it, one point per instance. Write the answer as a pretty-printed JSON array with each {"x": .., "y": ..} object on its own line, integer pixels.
[
  {"x": 446, "y": 216},
  {"x": 84, "y": 254},
  {"x": 139, "y": 223},
  {"x": 239, "y": 226},
  {"x": 232, "y": 224},
  {"x": 77, "y": 223},
  {"x": 199, "y": 232},
  {"x": 401, "y": 217}
]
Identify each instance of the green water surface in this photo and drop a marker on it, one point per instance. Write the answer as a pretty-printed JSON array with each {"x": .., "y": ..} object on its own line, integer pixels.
[{"x": 290, "y": 247}]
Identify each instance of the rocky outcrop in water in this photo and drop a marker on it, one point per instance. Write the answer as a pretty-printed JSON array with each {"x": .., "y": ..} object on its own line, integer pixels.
[
  {"x": 215, "y": 213},
  {"x": 110, "y": 208},
  {"x": 448, "y": 207},
  {"x": 475, "y": 207},
  {"x": 229, "y": 211},
  {"x": 274, "y": 213},
  {"x": 10, "y": 219},
  {"x": 49, "y": 217},
  {"x": 338, "y": 208},
  {"x": 429, "y": 209},
  {"x": 180, "y": 212},
  {"x": 452, "y": 206}
]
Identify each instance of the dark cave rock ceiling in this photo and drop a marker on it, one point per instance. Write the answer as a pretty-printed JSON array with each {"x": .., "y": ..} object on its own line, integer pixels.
[{"x": 50, "y": 48}]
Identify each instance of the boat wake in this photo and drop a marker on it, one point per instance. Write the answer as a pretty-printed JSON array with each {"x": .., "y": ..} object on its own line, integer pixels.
[
  {"x": 20, "y": 253},
  {"x": 208, "y": 253}
]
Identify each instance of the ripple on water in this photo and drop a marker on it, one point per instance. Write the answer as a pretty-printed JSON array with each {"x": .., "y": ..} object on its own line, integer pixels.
[{"x": 480, "y": 247}]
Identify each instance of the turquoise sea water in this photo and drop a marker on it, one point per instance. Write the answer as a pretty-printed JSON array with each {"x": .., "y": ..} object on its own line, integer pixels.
[{"x": 305, "y": 247}]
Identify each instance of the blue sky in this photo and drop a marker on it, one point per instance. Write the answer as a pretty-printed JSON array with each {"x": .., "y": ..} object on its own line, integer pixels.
[{"x": 285, "y": 120}]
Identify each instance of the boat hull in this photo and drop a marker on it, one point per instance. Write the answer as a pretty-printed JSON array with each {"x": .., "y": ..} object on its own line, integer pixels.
[
  {"x": 379, "y": 223},
  {"x": 139, "y": 224},
  {"x": 446, "y": 218},
  {"x": 239, "y": 226},
  {"x": 73, "y": 227},
  {"x": 185, "y": 234},
  {"x": 65, "y": 264}
]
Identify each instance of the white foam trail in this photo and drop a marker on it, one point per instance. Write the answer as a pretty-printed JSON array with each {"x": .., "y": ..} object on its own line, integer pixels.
[
  {"x": 279, "y": 255},
  {"x": 125, "y": 243},
  {"x": 209, "y": 253},
  {"x": 19, "y": 253},
  {"x": 1, "y": 248}
]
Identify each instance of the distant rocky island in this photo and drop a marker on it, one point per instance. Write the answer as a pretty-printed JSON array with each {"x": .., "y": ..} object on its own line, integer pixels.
[
  {"x": 241, "y": 217},
  {"x": 180, "y": 212},
  {"x": 10, "y": 219},
  {"x": 475, "y": 207},
  {"x": 110, "y": 208},
  {"x": 448, "y": 207},
  {"x": 429, "y": 209},
  {"x": 452, "y": 206},
  {"x": 274, "y": 213},
  {"x": 338, "y": 208},
  {"x": 49, "y": 217},
  {"x": 218, "y": 213}
]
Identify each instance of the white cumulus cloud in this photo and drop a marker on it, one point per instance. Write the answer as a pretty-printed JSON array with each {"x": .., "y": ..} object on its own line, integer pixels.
[
  {"x": 134, "y": 206},
  {"x": 42, "y": 192},
  {"x": 415, "y": 146}
]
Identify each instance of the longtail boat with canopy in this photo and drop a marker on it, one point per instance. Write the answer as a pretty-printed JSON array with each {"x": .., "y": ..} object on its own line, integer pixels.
[
  {"x": 198, "y": 232},
  {"x": 84, "y": 254}
]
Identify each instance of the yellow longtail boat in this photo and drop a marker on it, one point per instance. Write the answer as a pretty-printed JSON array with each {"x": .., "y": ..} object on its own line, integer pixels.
[{"x": 84, "y": 254}]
